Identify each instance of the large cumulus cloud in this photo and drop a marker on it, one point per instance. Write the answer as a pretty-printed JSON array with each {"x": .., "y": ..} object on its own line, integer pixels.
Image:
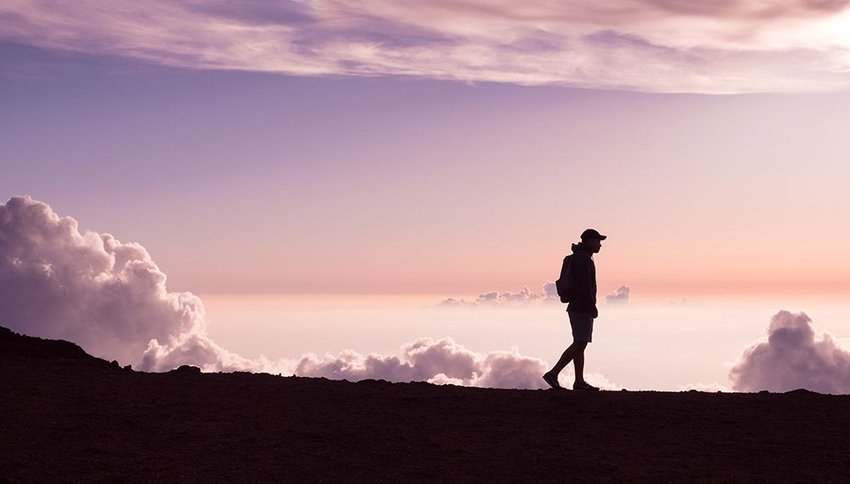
[
  {"x": 90, "y": 288},
  {"x": 111, "y": 298},
  {"x": 792, "y": 357},
  {"x": 651, "y": 45}
]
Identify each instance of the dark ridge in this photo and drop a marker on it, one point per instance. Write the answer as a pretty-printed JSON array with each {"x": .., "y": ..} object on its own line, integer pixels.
[
  {"x": 81, "y": 422},
  {"x": 23, "y": 346},
  {"x": 801, "y": 391}
]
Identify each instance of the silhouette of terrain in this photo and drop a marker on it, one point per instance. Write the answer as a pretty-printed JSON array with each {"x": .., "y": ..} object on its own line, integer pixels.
[{"x": 66, "y": 416}]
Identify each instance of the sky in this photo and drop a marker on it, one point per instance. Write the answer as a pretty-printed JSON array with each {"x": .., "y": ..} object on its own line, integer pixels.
[
  {"x": 442, "y": 149},
  {"x": 319, "y": 157}
]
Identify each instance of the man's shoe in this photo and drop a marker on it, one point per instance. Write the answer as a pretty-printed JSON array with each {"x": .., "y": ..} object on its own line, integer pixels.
[
  {"x": 584, "y": 386},
  {"x": 552, "y": 381}
]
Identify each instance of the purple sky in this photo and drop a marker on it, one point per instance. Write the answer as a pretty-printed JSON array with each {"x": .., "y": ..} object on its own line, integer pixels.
[{"x": 327, "y": 155}]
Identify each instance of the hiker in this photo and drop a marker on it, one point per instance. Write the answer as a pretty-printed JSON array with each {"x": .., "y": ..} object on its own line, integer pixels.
[{"x": 577, "y": 286}]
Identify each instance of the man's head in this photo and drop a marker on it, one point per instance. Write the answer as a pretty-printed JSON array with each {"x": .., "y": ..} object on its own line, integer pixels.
[{"x": 592, "y": 239}]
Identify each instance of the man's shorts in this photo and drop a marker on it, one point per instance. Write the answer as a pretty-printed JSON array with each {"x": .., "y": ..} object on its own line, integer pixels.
[{"x": 582, "y": 325}]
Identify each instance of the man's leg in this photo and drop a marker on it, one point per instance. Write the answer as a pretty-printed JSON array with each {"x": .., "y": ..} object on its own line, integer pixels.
[
  {"x": 574, "y": 353},
  {"x": 565, "y": 359},
  {"x": 578, "y": 359}
]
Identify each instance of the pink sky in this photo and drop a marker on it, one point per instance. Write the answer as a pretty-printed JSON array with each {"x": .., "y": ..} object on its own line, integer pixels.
[
  {"x": 300, "y": 148},
  {"x": 112, "y": 298}
]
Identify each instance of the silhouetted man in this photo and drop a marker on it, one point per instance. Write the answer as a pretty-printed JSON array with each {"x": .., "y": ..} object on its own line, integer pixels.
[{"x": 581, "y": 309}]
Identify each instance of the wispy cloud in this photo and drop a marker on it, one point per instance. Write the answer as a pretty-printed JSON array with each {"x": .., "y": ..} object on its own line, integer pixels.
[{"x": 648, "y": 45}]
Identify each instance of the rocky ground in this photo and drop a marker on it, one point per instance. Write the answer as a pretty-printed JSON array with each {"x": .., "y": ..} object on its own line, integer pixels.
[{"x": 68, "y": 417}]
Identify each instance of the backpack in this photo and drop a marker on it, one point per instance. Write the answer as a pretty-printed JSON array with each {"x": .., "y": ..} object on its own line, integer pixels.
[{"x": 565, "y": 283}]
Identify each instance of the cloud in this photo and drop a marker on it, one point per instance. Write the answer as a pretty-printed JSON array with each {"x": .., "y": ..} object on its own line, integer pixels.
[
  {"x": 647, "y": 45},
  {"x": 437, "y": 361},
  {"x": 551, "y": 291},
  {"x": 525, "y": 296},
  {"x": 757, "y": 10},
  {"x": 705, "y": 387},
  {"x": 793, "y": 358},
  {"x": 620, "y": 296},
  {"x": 496, "y": 298},
  {"x": 440, "y": 361},
  {"x": 108, "y": 296},
  {"x": 111, "y": 298}
]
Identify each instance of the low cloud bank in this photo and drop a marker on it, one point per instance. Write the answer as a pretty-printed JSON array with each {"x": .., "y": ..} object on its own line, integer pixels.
[
  {"x": 111, "y": 298},
  {"x": 705, "y": 387},
  {"x": 438, "y": 361},
  {"x": 793, "y": 358},
  {"x": 441, "y": 361}
]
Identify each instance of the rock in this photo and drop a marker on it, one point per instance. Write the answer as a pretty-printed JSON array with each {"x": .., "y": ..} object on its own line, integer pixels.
[{"x": 186, "y": 369}]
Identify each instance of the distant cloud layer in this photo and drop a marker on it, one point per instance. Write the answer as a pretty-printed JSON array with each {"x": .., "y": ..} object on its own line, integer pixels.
[
  {"x": 496, "y": 298},
  {"x": 793, "y": 358},
  {"x": 648, "y": 45},
  {"x": 620, "y": 296},
  {"x": 525, "y": 296},
  {"x": 111, "y": 298}
]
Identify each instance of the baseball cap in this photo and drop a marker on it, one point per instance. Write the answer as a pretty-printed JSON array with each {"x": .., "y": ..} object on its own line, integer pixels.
[{"x": 592, "y": 234}]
